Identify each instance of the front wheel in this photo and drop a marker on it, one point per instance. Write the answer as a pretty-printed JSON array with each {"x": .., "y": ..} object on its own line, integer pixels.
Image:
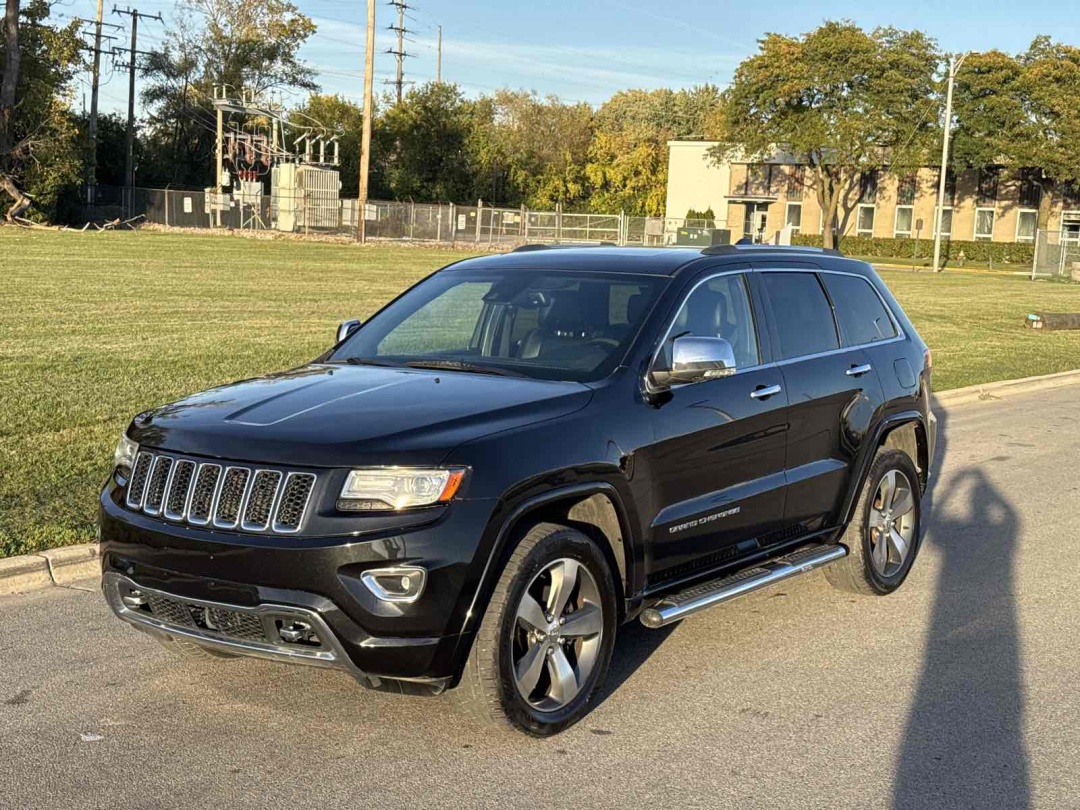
[
  {"x": 545, "y": 641},
  {"x": 884, "y": 533}
]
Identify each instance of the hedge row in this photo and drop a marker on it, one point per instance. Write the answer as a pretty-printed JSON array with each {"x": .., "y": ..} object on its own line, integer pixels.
[{"x": 889, "y": 248}]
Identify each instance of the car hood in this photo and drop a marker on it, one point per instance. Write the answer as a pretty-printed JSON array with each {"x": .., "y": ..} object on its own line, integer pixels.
[{"x": 327, "y": 415}]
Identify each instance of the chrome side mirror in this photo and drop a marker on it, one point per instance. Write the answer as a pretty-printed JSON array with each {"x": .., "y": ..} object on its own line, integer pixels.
[
  {"x": 347, "y": 328},
  {"x": 695, "y": 359}
]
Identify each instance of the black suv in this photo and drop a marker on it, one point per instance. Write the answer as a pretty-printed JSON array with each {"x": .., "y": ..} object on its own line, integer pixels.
[{"x": 475, "y": 488}]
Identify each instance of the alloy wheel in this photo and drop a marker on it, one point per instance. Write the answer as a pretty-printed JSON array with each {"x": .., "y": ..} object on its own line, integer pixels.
[
  {"x": 892, "y": 523},
  {"x": 556, "y": 636}
]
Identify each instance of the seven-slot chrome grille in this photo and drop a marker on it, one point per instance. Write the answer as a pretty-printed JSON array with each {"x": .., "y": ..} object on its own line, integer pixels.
[{"x": 221, "y": 495}]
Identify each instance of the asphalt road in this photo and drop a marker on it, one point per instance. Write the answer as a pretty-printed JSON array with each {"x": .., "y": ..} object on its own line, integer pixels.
[{"x": 961, "y": 690}]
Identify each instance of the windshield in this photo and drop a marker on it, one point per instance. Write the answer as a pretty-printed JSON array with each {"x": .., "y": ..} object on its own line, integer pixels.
[{"x": 543, "y": 324}]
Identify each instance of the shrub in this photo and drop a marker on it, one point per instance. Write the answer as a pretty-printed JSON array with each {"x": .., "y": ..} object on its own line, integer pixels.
[
  {"x": 707, "y": 215},
  {"x": 891, "y": 248}
]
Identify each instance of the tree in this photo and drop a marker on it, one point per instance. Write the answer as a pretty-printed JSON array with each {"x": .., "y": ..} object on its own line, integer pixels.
[
  {"x": 421, "y": 144},
  {"x": 843, "y": 102},
  {"x": 628, "y": 157},
  {"x": 39, "y": 155},
  {"x": 539, "y": 147},
  {"x": 1050, "y": 89},
  {"x": 250, "y": 45},
  {"x": 1022, "y": 111}
]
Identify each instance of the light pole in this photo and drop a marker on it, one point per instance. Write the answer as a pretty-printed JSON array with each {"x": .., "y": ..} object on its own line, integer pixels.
[{"x": 954, "y": 65}]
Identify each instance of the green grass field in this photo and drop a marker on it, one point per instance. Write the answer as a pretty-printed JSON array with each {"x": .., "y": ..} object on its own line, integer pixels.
[{"x": 97, "y": 327}]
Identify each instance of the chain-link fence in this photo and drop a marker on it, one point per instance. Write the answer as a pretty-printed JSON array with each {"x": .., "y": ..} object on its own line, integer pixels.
[
  {"x": 315, "y": 211},
  {"x": 1057, "y": 254}
]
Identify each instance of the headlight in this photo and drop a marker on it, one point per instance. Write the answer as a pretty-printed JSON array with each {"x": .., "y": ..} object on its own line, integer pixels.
[
  {"x": 124, "y": 455},
  {"x": 397, "y": 488}
]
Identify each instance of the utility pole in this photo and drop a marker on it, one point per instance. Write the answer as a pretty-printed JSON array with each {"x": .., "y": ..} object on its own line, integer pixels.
[
  {"x": 129, "y": 143},
  {"x": 219, "y": 159},
  {"x": 400, "y": 5},
  {"x": 91, "y": 188},
  {"x": 954, "y": 66},
  {"x": 95, "y": 85},
  {"x": 129, "y": 150},
  {"x": 365, "y": 139},
  {"x": 438, "y": 63}
]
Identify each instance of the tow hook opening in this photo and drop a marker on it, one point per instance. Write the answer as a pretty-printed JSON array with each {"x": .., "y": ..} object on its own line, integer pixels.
[{"x": 293, "y": 631}]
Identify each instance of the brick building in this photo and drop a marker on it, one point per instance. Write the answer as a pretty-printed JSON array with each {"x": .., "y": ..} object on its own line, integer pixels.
[{"x": 760, "y": 198}]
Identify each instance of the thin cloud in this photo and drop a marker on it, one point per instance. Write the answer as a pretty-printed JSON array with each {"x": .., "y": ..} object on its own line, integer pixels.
[{"x": 597, "y": 72}]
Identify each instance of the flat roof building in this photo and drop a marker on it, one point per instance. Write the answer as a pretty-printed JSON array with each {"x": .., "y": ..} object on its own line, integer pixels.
[{"x": 758, "y": 199}]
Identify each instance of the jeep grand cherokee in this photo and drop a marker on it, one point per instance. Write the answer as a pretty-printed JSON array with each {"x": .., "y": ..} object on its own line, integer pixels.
[{"x": 477, "y": 487}]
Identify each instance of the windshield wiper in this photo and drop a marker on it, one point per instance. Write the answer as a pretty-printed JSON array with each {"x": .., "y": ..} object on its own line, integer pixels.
[
  {"x": 459, "y": 365},
  {"x": 368, "y": 361}
]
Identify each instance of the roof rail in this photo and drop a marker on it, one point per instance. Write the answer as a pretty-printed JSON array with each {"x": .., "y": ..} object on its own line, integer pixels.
[
  {"x": 729, "y": 250},
  {"x": 561, "y": 246}
]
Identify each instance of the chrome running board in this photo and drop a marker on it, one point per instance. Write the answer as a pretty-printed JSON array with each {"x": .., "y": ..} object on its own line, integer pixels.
[{"x": 715, "y": 592}]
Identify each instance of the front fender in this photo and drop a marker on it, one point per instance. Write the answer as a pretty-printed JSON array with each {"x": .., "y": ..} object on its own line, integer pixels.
[{"x": 513, "y": 513}]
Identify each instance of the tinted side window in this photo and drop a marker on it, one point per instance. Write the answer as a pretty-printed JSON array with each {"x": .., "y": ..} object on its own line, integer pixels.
[
  {"x": 859, "y": 311},
  {"x": 721, "y": 308},
  {"x": 804, "y": 318}
]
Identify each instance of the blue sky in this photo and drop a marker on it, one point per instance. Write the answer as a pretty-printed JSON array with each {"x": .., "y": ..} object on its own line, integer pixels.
[{"x": 587, "y": 50}]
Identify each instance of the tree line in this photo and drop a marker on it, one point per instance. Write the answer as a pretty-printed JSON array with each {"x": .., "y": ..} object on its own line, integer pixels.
[{"x": 841, "y": 101}]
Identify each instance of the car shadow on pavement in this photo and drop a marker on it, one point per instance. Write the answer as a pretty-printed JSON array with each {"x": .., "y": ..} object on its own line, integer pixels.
[
  {"x": 963, "y": 745},
  {"x": 634, "y": 644}
]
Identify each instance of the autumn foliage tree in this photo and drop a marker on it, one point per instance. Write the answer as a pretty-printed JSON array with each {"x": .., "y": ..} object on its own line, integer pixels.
[{"x": 627, "y": 167}]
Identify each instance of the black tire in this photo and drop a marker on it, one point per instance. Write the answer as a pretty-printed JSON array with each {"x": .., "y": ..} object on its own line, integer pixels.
[
  {"x": 488, "y": 689},
  {"x": 858, "y": 572},
  {"x": 184, "y": 648}
]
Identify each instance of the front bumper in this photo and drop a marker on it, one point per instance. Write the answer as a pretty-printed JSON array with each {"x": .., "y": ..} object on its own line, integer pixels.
[
  {"x": 233, "y": 629},
  {"x": 261, "y": 579}
]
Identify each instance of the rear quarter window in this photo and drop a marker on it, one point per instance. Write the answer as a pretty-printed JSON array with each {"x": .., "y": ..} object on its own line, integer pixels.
[{"x": 860, "y": 313}]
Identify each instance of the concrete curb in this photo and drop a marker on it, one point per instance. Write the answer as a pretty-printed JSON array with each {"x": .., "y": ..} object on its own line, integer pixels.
[
  {"x": 999, "y": 390},
  {"x": 55, "y": 567}
]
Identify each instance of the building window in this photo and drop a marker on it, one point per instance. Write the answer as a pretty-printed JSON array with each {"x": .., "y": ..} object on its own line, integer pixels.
[
  {"x": 793, "y": 218},
  {"x": 987, "y": 192},
  {"x": 1070, "y": 194},
  {"x": 868, "y": 183},
  {"x": 946, "y": 222},
  {"x": 950, "y": 186},
  {"x": 984, "y": 224},
  {"x": 1026, "y": 224},
  {"x": 1030, "y": 188},
  {"x": 864, "y": 222},
  {"x": 759, "y": 180},
  {"x": 905, "y": 218},
  {"x": 796, "y": 182},
  {"x": 905, "y": 191}
]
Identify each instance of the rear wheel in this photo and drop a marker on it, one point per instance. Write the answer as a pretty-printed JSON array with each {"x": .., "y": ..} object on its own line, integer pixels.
[
  {"x": 884, "y": 534},
  {"x": 545, "y": 641}
]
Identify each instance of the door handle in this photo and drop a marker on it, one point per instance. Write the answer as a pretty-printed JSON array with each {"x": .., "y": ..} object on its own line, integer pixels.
[
  {"x": 858, "y": 371},
  {"x": 765, "y": 391}
]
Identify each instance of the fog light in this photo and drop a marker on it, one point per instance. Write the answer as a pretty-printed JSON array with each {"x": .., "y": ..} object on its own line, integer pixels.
[
  {"x": 400, "y": 584},
  {"x": 134, "y": 599}
]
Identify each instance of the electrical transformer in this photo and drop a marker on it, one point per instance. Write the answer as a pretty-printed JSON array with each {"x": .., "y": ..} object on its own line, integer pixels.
[{"x": 305, "y": 197}]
